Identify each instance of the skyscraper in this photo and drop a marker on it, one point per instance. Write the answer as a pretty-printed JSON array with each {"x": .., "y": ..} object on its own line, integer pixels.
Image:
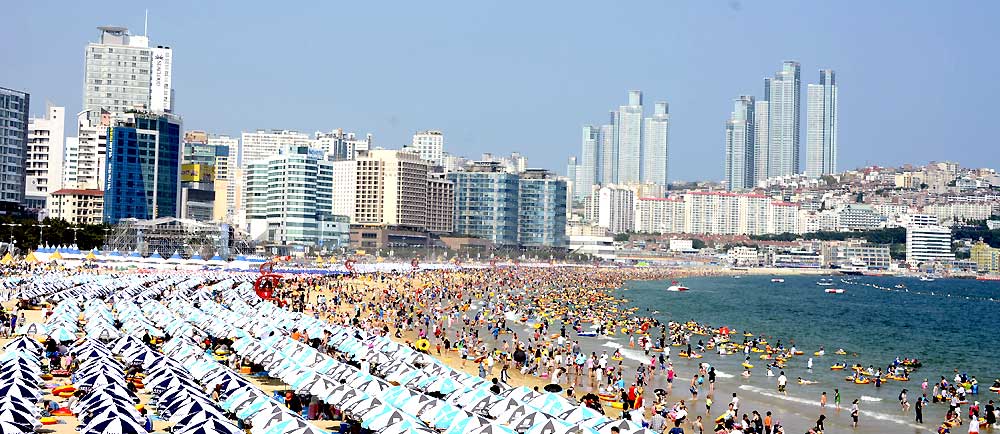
[
  {"x": 142, "y": 177},
  {"x": 541, "y": 211},
  {"x": 588, "y": 171},
  {"x": 655, "y": 145},
  {"x": 783, "y": 95},
  {"x": 821, "y": 119},
  {"x": 740, "y": 150},
  {"x": 609, "y": 151},
  {"x": 123, "y": 72},
  {"x": 630, "y": 139},
  {"x": 761, "y": 129},
  {"x": 14, "y": 107},
  {"x": 486, "y": 203}
]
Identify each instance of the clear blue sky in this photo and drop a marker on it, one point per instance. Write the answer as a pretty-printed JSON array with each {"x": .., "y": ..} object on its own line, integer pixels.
[{"x": 918, "y": 79}]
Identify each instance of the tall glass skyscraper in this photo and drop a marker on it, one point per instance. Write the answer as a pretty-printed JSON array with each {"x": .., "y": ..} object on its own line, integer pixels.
[
  {"x": 655, "y": 146},
  {"x": 14, "y": 108},
  {"x": 783, "y": 95},
  {"x": 821, "y": 119},
  {"x": 630, "y": 139},
  {"x": 609, "y": 152},
  {"x": 740, "y": 150},
  {"x": 588, "y": 171},
  {"x": 761, "y": 132},
  {"x": 142, "y": 178}
]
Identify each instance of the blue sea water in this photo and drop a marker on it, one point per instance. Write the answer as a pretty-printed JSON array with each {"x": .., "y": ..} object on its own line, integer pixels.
[{"x": 948, "y": 324}]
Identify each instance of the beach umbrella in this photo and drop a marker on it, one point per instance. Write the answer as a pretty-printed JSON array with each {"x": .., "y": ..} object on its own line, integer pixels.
[
  {"x": 551, "y": 403},
  {"x": 443, "y": 385},
  {"x": 62, "y": 335},
  {"x": 12, "y": 428},
  {"x": 19, "y": 418},
  {"x": 32, "y": 328},
  {"x": 520, "y": 393},
  {"x": 114, "y": 426},
  {"x": 578, "y": 414},
  {"x": 194, "y": 419},
  {"x": 23, "y": 343},
  {"x": 493, "y": 428},
  {"x": 528, "y": 420},
  {"x": 19, "y": 390},
  {"x": 211, "y": 426},
  {"x": 385, "y": 415},
  {"x": 417, "y": 404},
  {"x": 550, "y": 426},
  {"x": 502, "y": 406}
]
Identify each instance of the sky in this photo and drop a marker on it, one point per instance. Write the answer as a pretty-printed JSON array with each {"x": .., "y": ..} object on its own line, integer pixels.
[{"x": 917, "y": 79}]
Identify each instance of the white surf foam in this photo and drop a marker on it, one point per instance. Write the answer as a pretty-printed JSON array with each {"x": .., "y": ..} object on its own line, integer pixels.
[
  {"x": 627, "y": 353},
  {"x": 871, "y": 414}
]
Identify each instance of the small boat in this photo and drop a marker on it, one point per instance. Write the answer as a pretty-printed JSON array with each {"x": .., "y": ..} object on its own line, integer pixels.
[
  {"x": 674, "y": 287},
  {"x": 587, "y": 334},
  {"x": 824, "y": 283},
  {"x": 926, "y": 279},
  {"x": 900, "y": 286},
  {"x": 777, "y": 280},
  {"x": 834, "y": 291}
]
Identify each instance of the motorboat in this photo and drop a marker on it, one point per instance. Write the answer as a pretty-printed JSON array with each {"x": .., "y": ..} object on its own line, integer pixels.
[
  {"x": 777, "y": 280},
  {"x": 675, "y": 287},
  {"x": 825, "y": 282},
  {"x": 926, "y": 279},
  {"x": 834, "y": 291}
]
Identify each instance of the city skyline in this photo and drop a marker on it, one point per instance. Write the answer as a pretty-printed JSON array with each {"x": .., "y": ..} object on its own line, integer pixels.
[{"x": 214, "y": 95}]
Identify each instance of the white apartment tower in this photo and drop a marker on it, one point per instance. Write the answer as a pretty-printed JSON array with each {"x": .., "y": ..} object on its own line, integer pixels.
[
  {"x": 85, "y": 155},
  {"x": 430, "y": 146},
  {"x": 821, "y": 120},
  {"x": 616, "y": 210},
  {"x": 44, "y": 168},
  {"x": 655, "y": 145},
  {"x": 123, "y": 72},
  {"x": 783, "y": 95}
]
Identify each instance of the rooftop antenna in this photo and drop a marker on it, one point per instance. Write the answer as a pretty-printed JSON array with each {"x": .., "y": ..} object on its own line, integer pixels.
[{"x": 145, "y": 24}]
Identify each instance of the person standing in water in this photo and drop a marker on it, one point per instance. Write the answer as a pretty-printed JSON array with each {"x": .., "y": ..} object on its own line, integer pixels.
[
  {"x": 855, "y": 411},
  {"x": 836, "y": 398},
  {"x": 822, "y": 401}
]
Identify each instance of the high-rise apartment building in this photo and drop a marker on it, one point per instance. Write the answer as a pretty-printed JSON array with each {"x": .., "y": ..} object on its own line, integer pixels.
[
  {"x": 541, "y": 213},
  {"x": 44, "y": 168},
  {"x": 391, "y": 189},
  {"x": 761, "y": 138},
  {"x": 608, "y": 152},
  {"x": 85, "y": 161},
  {"x": 628, "y": 149},
  {"x": 341, "y": 145},
  {"x": 123, "y": 72},
  {"x": 142, "y": 178},
  {"x": 289, "y": 199},
  {"x": 630, "y": 139},
  {"x": 430, "y": 146},
  {"x": 261, "y": 145},
  {"x": 655, "y": 146},
  {"x": 204, "y": 167},
  {"x": 588, "y": 170},
  {"x": 615, "y": 208},
  {"x": 226, "y": 179},
  {"x": 821, "y": 120},
  {"x": 783, "y": 96},
  {"x": 486, "y": 203},
  {"x": 740, "y": 149},
  {"x": 14, "y": 107},
  {"x": 440, "y": 204}
]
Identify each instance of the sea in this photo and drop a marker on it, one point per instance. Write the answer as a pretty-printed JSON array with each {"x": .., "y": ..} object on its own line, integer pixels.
[{"x": 947, "y": 324}]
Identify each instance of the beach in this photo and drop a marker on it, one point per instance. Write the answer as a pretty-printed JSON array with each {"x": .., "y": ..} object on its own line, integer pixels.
[{"x": 491, "y": 313}]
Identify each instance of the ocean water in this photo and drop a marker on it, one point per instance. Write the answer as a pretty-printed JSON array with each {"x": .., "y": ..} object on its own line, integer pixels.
[{"x": 948, "y": 324}]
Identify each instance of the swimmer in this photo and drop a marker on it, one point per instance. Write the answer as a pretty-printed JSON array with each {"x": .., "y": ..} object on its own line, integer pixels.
[{"x": 805, "y": 382}]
